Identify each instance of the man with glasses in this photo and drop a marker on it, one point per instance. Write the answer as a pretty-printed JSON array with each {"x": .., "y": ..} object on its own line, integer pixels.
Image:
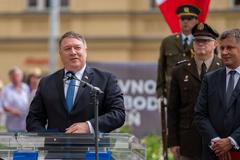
[
  {"x": 184, "y": 140},
  {"x": 177, "y": 47},
  {"x": 174, "y": 48}
]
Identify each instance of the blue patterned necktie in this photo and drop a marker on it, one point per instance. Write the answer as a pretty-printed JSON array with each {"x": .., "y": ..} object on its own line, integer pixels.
[
  {"x": 230, "y": 86},
  {"x": 70, "y": 94}
]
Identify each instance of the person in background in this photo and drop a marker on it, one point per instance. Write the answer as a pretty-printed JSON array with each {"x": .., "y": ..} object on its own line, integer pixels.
[
  {"x": 217, "y": 112},
  {"x": 15, "y": 100},
  {"x": 63, "y": 104},
  {"x": 2, "y": 114},
  {"x": 183, "y": 139},
  {"x": 175, "y": 48},
  {"x": 33, "y": 81}
]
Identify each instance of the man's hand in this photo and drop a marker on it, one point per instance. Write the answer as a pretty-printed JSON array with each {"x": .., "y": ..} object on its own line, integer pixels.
[
  {"x": 176, "y": 152},
  {"x": 221, "y": 146},
  {"x": 80, "y": 127}
]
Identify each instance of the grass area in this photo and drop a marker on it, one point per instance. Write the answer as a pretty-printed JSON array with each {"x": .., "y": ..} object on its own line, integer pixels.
[{"x": 3, "y": 129}]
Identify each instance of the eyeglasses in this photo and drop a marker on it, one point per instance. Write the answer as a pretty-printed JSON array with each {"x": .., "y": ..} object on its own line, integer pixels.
[{"x": 202, "y": 40}]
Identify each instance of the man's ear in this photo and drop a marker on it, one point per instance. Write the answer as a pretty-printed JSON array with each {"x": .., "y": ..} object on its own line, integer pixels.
[{"x": 216, "y": 43}]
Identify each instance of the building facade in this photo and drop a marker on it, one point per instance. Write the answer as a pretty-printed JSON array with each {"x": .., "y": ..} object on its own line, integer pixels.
[{"x": 123, "y": 31}]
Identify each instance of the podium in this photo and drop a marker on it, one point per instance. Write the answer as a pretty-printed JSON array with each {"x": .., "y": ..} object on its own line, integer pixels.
[{"x": 70, "y": 146}]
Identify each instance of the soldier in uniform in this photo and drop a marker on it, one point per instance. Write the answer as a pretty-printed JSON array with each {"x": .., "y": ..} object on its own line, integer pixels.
[
  {"x": 176, "y": 47},
  {"x": 183, "y": 139},
  {"x": 173, "y": 49}
]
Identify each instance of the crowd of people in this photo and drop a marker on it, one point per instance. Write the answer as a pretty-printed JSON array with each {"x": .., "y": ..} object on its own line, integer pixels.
[{"x": 15, "y": 98}]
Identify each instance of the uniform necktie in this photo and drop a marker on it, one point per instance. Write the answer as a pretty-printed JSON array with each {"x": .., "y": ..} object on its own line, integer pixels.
[
  {"x": 203, "y": 70},
  {"x": 70, "y": 94},
  {"x": 230, "y": 86},
  {"x": 185, "y": 44}
]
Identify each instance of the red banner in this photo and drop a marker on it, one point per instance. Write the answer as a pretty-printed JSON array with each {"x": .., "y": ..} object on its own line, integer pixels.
[{"x": 168, "y": 9}]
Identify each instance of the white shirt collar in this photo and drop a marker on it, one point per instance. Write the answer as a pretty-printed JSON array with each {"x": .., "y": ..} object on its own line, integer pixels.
[
  {"x": 190, "y": 37},
  {"x": 236, "y": 69},
  {"x": 207, "y": 62}
]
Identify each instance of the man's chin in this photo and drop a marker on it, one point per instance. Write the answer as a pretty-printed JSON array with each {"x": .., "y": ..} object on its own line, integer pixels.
[
  {"x": 228, "y": 64},
  {"x": 74, "y": 68}
]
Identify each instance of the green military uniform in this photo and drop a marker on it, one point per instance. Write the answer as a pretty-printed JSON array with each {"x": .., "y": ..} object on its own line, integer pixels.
[
  {"x": 184, "y": 89},
  {"x": 185, "y": 86},
  {"x": 171, "y": 52}
]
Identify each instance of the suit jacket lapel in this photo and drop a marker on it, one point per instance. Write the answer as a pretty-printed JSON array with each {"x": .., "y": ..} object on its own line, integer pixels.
[
  {"x": 216, "y": 63},
  {"x": 87, "y": 77},
  {"x": 222, "y": 89},
  {"x": 235, "y": 94},
  {"x": 60, "y": 88}
]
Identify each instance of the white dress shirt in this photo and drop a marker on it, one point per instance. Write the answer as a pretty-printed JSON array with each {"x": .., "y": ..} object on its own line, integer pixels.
[
  {"x": 79, "y": 75},
  {"x": 190, "y": 37},
  {"x": 236, "y": 76}
]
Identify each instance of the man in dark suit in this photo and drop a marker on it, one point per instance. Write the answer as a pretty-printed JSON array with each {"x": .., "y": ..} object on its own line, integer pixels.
[
  {"x": 67, "y": 106},
  {"x": 176, "y": 47},
  {"x": 217, "y": 112},
  {"x": 183, "y": 139}
]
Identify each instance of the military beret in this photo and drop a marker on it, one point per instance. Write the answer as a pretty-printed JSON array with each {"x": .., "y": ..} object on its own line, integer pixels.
[
  {"x": 187, "y": 10},
  {"x": 204, "y": 31}
]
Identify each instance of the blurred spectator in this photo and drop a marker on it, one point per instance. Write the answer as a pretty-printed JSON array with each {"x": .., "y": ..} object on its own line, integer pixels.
[
  {"x": 176, "y": 47},
  {"x": 16, "y": 101},
  {"x": 33, "y": 80},
  {"x": 1, "y": 87},
  {"x": 2, "y": 116}
]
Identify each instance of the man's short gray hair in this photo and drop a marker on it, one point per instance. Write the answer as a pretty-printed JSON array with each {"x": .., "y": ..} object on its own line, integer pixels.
[
  {"x": 72, "y": 34},
  {"x": 235, "y": 33},
  {"x": 14, "y": 70}
]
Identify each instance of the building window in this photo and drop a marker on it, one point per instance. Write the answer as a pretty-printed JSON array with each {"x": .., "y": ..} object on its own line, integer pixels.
[
  {"x": 40, "y": 5},
  {"x": 32, "y": 3},
  {"x": 63, "y": 3},
  {"x": 154, "y": 4}
]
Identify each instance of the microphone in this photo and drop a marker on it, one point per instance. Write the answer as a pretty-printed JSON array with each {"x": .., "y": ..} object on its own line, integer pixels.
[
  {"x": 71, "y": 75},
  {"x": 16, "y": 139}
]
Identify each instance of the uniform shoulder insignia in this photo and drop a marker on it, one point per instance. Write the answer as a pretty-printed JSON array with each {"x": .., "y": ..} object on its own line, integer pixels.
[
  {"x": 177, "y": 35},
  {"x": 181, "y": 62}
]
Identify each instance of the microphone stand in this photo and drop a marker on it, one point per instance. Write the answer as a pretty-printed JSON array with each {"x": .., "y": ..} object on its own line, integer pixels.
[{"x": 95, "y": 92}]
